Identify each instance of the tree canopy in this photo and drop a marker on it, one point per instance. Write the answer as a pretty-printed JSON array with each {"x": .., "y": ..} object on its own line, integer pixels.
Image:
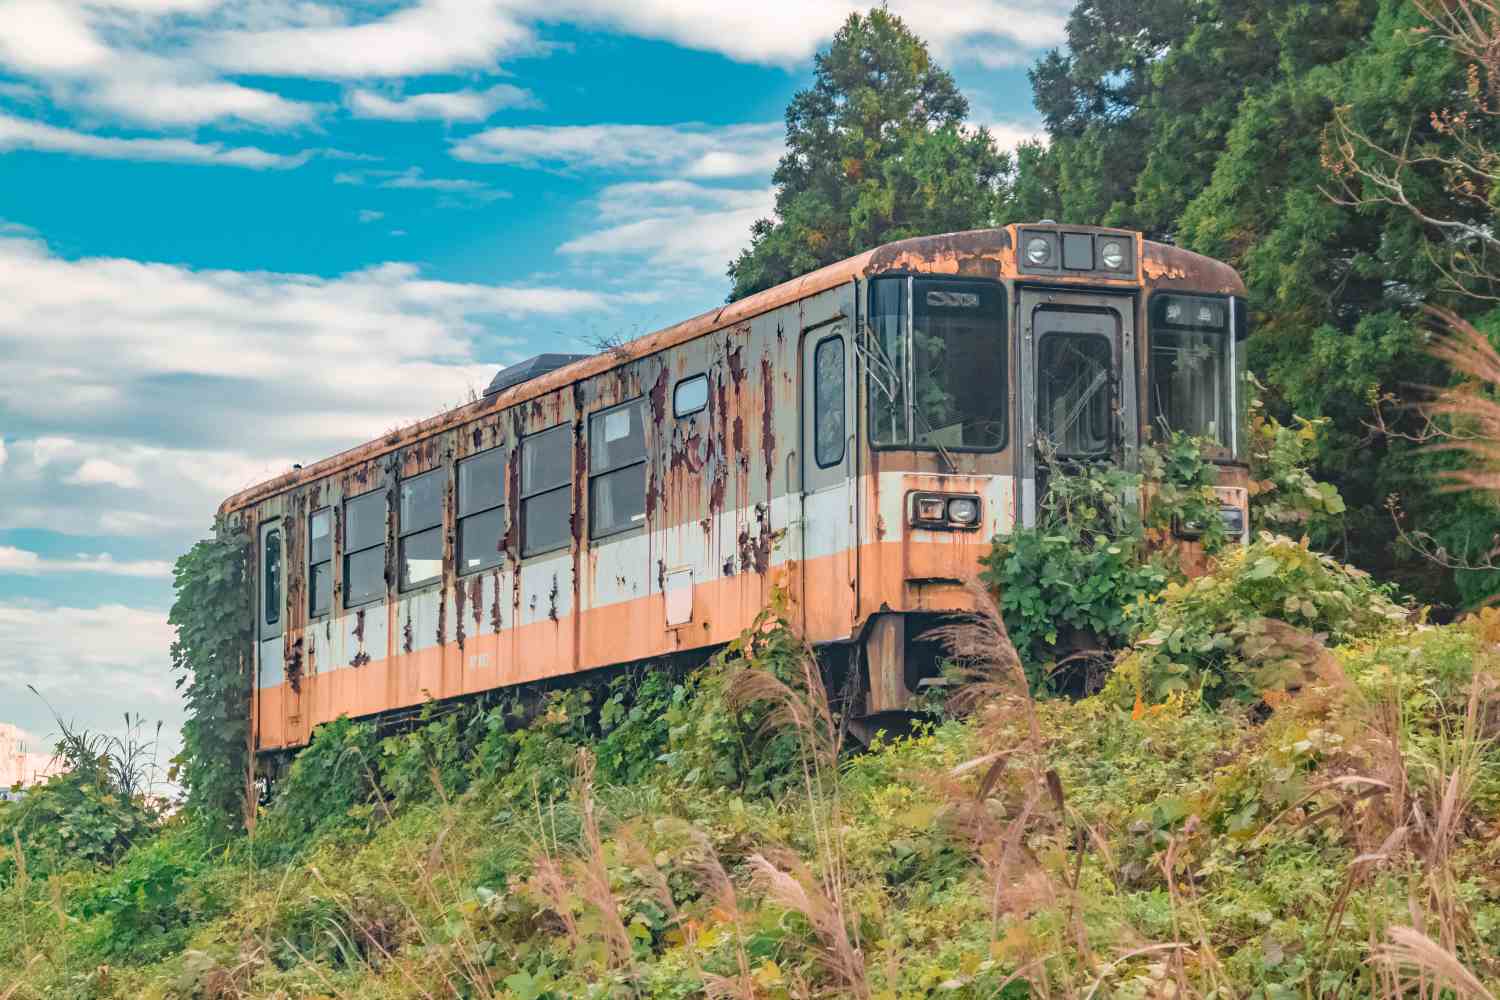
[{"x": 877, "y": 150}]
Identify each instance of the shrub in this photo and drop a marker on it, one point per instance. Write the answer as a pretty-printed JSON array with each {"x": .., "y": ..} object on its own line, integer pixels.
[
  {"x": 1210, "y": 635},
  {"x": 329, "y": 787}
]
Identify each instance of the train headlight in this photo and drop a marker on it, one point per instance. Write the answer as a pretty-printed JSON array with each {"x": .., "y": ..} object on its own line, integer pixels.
[
  {"x": 1039, "y": 251},
  {"x": 929, "y": 510},
  {"x": 1112, "y": 255},
  {"x": 963, "y": 511}
]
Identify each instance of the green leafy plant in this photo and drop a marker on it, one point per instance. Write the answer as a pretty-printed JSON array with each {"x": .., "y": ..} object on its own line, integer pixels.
[
  {"x": 1284, "y": 495},
  {"x": 213, "y": 658},
  {"x": 330, "y": 786}
]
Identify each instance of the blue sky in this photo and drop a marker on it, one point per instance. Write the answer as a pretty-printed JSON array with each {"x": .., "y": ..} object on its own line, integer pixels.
[{"x": 236, "y": 235}]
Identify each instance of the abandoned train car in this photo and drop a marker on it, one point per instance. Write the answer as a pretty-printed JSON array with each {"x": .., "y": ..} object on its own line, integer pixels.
[{"x": 856, "y": 436}]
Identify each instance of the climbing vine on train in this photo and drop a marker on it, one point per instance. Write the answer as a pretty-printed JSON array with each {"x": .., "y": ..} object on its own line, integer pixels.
[{"x": 212, "y": 656}]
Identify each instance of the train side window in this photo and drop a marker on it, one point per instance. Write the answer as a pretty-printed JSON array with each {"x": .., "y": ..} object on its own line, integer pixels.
[
  {"x": 271, "y": 599},
  {"x": 421, "y": 525},
  {"x": 546, "y": 490},
  {"x": 617, "y": 469},
  {"x": 828, "y": 401},
  {"x": 481, "y": 510},
  {"x": 690, "y": 396},
  {"x": 364, "y": 549},
  {"x": 319, "y": 562}
]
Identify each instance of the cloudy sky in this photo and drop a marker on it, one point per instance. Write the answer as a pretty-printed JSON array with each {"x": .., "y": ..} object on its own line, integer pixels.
[{"x": 238, "y": 234}]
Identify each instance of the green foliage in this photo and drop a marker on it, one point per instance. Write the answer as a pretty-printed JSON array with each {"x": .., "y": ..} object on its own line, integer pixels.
[
  {"x": 1210, "y": 636},
  {"x": 432, "y": 758},
  {"x": 213, "y": 615},
  {"x": 142, "y": 910},
  {"x": 74, "y": 818},
  {"x": 1284, "y": 496},
  {"x": 877, "y": 150},
  {"x": 1071, "y": 584},
  {"x": 329, "y": 787}
]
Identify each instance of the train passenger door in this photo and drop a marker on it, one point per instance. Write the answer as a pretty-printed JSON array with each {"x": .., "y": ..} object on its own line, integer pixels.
[
  {"x": 270, "y": 608},
  {"x": 827, "y": 450},
  {"x": 1078, "y": 370}
]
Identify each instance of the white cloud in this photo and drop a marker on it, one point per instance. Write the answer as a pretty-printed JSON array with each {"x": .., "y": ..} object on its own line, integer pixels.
[
  {"x": 3, "y": 454},
  {"x": 91, "y": 663},
  {"x": 457, "y": 190},
  {"x": 26, "y": 563},
  {"x": 689, "y": 150},
  {"x": 370, "y": 215},
  {"x": 19, "y": 133},
  {"x": 139, "y": 395},
  {"x": 448, "y": 106},
  {"x": 675, "y": 224}
]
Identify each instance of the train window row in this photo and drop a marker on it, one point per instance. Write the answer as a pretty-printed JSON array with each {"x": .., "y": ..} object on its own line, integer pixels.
[{"x": 617, "y": 502}]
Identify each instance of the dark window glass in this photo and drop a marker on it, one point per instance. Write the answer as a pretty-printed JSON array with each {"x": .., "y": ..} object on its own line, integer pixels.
[
  {"x": 690, "y": 396},
  {"x": 364, "y": 549},
  {"x": 320, "y": 588},
  {"x": 546, "y": 460},
  {"x": 617, "y": 469},
  {"x": 959, "y": 389},
  {"x": 1190, "y": 370},
  {"x": 828, "y": 401},
  {"x": 272, "y": 597},
  {"x": 887, "y": 362},
  {"x": 319, "y": 562},
  {"x": 481, "y": 481},
  {"x": 421, "y": 557},
  {"x": 364, "y": 522},
  {"x": 364, "y": 576},
  {"x": 422, "y": 501},
  {"x": 617, "y": 500},
  {"x": 1073, "y": 401},
  {"x": 479, "y": 539},
  {"x": 546, "y": 490},
  {"x": 546, "y": 521},
  {"x": 481, "y": 522}
]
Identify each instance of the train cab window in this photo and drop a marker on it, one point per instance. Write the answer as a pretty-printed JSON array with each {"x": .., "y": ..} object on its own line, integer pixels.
[
  {"x": 546, "y": 490},
  {"x": 319, "y": 562},
  {"x": 617, "y": 469},
  {"x": 481, "y": 510},
  {"x": 690, "y": 396},
  {"x": 1192, "y": 373},
  {"x": 364, "y": 549},
  {"x": 1073, "y": 393},
  {"x": 271, "y": 597},
  {"x": 828, "y": 401},
  {"x": 939, "y": 364},
  {"x": 421, "y": 524}
]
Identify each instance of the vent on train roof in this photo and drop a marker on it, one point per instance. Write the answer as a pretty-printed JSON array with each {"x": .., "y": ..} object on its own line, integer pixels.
[{"x": 525, "y": 371}]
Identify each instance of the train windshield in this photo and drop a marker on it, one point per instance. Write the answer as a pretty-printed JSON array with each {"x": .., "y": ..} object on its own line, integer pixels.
[
  {"x": 937, "y": 364},
  {"x": 1193, "y": 369}
]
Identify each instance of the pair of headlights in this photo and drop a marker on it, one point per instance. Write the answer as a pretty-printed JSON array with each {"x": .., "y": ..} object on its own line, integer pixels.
[
  {"x": 941, "y": 510},
  {"x": 1039, "y": 252}
]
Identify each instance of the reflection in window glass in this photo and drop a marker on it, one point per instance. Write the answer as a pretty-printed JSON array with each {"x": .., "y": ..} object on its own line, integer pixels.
[
  {"x": 1073, "y": 401},
  {"x": 481, "y": 521},
  {"x": 421, "y": 557},
  {"x": 617, "y": 469},
  {"x": 364, "y": 549},
  {"x": 546, "y": 490},
  {"x": 958, "y": 363},
  {"x": 690, "y": 396},
  {"x": 364, "y": 576},
  {"x": 1189, "y": 383},
  {"x": 421, "y": 524},
  {"x": 828, "y": 401},
  {"x": 887, "y": 361},
  {"x": 319, "y": 562},
  {"x": 271, "y": 600},
  {"x": 422, "y": 501},
  {"x": 480, "y": 537}
]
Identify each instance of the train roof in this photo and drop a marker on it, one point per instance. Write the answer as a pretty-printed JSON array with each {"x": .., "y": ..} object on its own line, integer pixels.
[{"x": 985, "y": 253}]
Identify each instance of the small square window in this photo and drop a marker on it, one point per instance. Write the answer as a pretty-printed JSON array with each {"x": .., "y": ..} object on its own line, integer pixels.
[{"x": 690, "y": 396}]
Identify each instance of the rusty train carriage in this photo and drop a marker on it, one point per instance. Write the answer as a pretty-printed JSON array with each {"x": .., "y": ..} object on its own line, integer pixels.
[{"x": 643, "y": 501}]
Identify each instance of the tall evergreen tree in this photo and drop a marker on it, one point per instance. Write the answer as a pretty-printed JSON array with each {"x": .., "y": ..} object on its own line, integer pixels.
[{"x": 877, "y": 150}]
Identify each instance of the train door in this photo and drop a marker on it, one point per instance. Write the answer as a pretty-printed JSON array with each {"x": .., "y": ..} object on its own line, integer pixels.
[
  {"x": 827, "y": 497},
  {"x": 271, "y": 609},
  {"x": 1079, "y": 404}
]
